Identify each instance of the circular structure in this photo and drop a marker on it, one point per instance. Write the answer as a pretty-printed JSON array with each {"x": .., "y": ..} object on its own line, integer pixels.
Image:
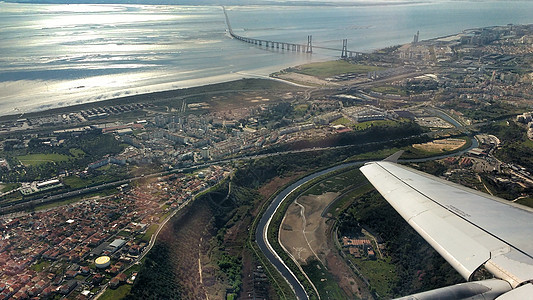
[{"x": 102, "y": 262}]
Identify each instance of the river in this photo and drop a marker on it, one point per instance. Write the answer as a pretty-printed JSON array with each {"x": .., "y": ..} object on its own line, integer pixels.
[{"x": 58, "y": 55}]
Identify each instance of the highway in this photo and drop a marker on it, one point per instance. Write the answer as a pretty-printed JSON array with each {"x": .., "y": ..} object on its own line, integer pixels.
[{"x": 264, "y": 222}]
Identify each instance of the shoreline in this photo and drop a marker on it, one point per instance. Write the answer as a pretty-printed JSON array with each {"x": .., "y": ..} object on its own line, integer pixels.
[
  {"x": 144, "y": 97},
  {"x": 187, "y": 91}
]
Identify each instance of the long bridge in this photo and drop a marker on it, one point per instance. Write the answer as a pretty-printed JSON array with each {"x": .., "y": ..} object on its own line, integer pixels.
[{"x": 304, "y": 48}]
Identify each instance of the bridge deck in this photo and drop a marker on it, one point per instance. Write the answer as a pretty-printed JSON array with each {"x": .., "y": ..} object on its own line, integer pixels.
[{"x": 305, "y": 48}]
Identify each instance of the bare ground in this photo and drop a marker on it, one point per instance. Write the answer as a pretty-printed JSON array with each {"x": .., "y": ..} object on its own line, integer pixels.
[
  {"x": 441, "y": 145},
  {"x": 273, "y": 185},
  {"x": 303, "y": 230},
  {"x": 308, "y": 236},
  {"x": 192, "y": 232},
  {"x": 302, "y": 78}
]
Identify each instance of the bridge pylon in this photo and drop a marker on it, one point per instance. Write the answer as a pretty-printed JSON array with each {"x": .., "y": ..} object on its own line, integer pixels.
[
  {"x": 344, "y": 53},
  {"x": 309, "y": 44}
]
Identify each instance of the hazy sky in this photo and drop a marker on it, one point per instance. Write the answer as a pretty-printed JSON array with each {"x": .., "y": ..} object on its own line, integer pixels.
[{"x": 248, "y": 2}]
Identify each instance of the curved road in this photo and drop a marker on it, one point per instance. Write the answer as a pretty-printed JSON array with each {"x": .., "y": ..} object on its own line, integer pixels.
[{"x": 264, "y": 222}]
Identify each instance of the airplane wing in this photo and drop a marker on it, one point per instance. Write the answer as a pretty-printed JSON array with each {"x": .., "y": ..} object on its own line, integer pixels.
[{"x": 468, "y": 228}]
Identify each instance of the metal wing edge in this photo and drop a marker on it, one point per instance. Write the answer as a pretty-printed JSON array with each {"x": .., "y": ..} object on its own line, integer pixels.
[{"x": 465, "y": 246}]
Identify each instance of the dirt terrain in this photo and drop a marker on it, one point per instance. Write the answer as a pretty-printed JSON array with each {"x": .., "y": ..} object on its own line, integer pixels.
[
  {"x": 307, "y": 235},
  {"x": 195, "y": 273},
  {"x": 303, "y": 230},
  {"x": 441, "y": 145},
  {"x": 305, "y": 79}
]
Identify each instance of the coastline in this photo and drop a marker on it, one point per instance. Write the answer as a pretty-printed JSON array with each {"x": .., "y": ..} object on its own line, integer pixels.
[
  {"x": 145, "y": 97},
  {"x": 190, "y": 90}
]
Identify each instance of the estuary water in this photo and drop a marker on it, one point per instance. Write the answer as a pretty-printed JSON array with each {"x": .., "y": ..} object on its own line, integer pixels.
[{"x": 58, "y": 55}]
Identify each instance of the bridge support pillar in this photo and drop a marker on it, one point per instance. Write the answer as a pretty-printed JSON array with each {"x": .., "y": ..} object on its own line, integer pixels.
[
  {"x": 344, "y": 52},
  {"x": 309, "y": 44}
]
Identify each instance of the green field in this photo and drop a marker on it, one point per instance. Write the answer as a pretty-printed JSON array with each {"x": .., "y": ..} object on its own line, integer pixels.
[
  {"x": 39, "y": 159},
  {"x": 345, "y": 200},
  {"x": 149, "y": 232},
  {"x": 342, "y": 121},
  {"x": 375, "y": 155},
  {"x": 332, "y": 68},
  {"x": 76, "y": 152},
  {"x": 38, "y": 267},
  {"x": 526, "y": 202},
  {"x": 380, "y": 273},
  {"x": 365, "y": 125},
  {"x": 325, "y": 283},
  {"x": 6, "y": 187},
  {"x": 120, "y": 293},
  {"x": 336, "y": 183},
  {"x": 75, "y": 182}
]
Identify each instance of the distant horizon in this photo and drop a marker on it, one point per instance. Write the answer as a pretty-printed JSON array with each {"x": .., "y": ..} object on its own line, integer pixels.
[{"x": 248, "y": 2}]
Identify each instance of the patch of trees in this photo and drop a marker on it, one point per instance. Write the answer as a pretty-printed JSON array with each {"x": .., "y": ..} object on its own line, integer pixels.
[
  {"x": 483, "y": 110},
  {"x": 506, "y": 189},
  {"x": 156, "y": 280},
  {"x": 515, "y": 147},
  {"x": 432, "y": 167},
  {"x": 395, "y": 135},
  {"x": 418, "y": 266},
  {"x": 416, "y": 86},
  {"x": 278, "y": 115}
]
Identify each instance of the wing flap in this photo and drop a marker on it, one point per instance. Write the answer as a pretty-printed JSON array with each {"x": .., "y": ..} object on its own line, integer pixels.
[
  {"x": 464, "y": 226},
  {"x": 447, "y": 242}
]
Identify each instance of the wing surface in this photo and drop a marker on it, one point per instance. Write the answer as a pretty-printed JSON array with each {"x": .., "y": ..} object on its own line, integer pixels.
[{"x": 468, "y": 228}]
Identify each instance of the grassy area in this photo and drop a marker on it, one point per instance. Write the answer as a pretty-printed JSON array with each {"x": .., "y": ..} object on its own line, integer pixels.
[
  {"x": 365, "y": 125},
  {"x": 336, "y": 183},
  {"x": 526, "y": 202},
  {"x": 124, "y": 233},
  {"x": 375, "y": 155},
  {"x": 76, "y": 152},
  {"x": 380, "y": 273},
  {"x": 387, "y": 89},
  {"x": 38, "y": 267},
  {"x": 345, "y": 200},
  {"x": 300, "y": 109},
  {"x": 120, "y": 293},
  {"x": 231, "y": 296},
  {"x": 325, "y": 283},
  {"x": 75, "y": 182},
  {"x": 342, "y": 121},
  {"x": 11, "y": 197},
  {"x": 332, "y": 68},
  {"x": 6, "y": 187},
  {"x": 149, "y": 232},
  {"x": 134, "y": 268},
  {"x": 41, "y": 158}
]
